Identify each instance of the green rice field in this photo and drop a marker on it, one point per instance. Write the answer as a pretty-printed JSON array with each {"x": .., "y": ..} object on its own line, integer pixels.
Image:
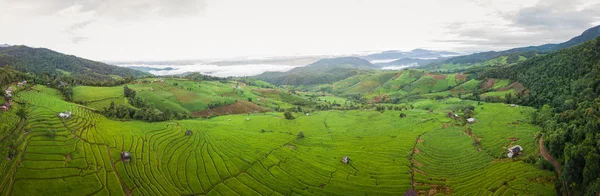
[{"x": 261, "y": 154}]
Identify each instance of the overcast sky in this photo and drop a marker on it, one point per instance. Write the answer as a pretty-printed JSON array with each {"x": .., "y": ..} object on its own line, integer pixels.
[{"x": 199, "y": 29}]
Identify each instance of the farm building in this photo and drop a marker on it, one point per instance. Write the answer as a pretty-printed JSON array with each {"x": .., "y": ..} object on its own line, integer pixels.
[
  {"x": 5, "y": 106},
  {"x": 20, "y": 84},
  {"x": 515, "y": 150},
  {"x": 125, "y": 156},
  {"x": 66, "y": 114},
  {"x": 470, "y": 120},
  {"x": 8, "y": 91},
  {"x": 345, "y": 159}
]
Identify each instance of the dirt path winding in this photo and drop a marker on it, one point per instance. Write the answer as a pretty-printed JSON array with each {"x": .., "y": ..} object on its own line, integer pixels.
[
  {"x": 544, "y": 152},
  {"x": 548, "y": 156}
]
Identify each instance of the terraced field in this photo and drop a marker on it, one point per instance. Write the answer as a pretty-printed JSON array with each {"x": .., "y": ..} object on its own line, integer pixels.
[
  {"x": 260, "y": 154},
  {"x": 184, "y": 95}
]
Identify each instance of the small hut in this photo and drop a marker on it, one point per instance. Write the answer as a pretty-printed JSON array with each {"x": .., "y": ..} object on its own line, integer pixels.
[
  {"x": 20, "y": 84},
  {"x": 188, "y": 133},
  {"x": 66, "y": 114},
  {"x": 470, "y": 120},
  {"x": 345, "y": 159},
  {"x": 125, "y": 156},
  {"x": 450, "y": 115},
  {"x": 515, "y": 150}
]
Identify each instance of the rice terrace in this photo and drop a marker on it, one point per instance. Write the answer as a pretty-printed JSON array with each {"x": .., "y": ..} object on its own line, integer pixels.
[{"x": 299, "y": 98}]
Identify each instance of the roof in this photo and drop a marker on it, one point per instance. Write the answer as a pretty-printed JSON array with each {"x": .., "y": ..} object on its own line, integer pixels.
[{"x": 470, "y": 119}]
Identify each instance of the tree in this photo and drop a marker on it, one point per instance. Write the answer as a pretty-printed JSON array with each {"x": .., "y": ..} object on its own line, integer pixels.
[
  {"x": 250, "y": 99},
  {"x": 300, "y": 135},
  {"x": 289, "y": 116},
  {"x": 22, "y": 112}
]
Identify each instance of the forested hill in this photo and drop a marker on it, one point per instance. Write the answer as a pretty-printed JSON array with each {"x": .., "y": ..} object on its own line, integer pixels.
[
  {"x": 41, "y": 61},
  {"x": 323, "y": 71},
  {"x": 485, "y": 56},
  {"x": 567, "y": 83}
]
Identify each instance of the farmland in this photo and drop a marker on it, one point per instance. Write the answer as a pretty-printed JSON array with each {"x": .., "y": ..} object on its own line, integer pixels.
[{"x": 261, "y": 153}]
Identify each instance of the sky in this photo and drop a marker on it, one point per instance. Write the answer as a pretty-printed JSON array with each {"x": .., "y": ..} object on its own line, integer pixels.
[{"x": 134, "y": 30}]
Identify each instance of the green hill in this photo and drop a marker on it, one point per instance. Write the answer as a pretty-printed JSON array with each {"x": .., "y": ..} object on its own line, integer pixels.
[
  {"x": 41, "y": 61},
  {"x": 566, "y": 86},
  {"x": 324, "y": 71},
  {"x": 512, "y": 55}
]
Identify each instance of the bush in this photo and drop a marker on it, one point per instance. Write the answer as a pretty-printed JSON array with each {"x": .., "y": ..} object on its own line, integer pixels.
[
  {"x": 289, "y": 116},
  {"x": 300, "y": 135}
]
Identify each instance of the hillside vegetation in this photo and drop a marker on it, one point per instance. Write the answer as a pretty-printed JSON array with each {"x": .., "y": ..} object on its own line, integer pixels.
[
  {"x": 567, "y": 84},
  {"x": 324, "y": 71},
  {"x": 47, "y": 63},
  {"x": 495, "y": 58}
]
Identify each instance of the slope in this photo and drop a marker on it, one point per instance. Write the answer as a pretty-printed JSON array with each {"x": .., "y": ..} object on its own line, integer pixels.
[
  {"x": 323, "y": 71},
  {"x": 44, "y": 61},
  {"x": 467, "y": 60}
]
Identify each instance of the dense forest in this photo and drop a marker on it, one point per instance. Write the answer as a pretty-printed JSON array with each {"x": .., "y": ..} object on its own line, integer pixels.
[
  {"x": 50, "y": 64},
  {"x": 566, "y": 86}
]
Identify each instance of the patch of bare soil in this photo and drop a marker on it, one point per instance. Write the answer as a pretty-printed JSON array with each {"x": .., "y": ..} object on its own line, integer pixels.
[
  {"x": 489, "y": 83},
  {"x": 437, "y": 76},
  {"x": 398, "y": 74},
  {"x": 416, "y": 162},
  {"x": 417, "y": 151}
]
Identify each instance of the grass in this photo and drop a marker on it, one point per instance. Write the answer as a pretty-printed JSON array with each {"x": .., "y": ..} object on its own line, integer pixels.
[
  {"x": 259, "y": 154},
  {"x": 186, "y": 96}
]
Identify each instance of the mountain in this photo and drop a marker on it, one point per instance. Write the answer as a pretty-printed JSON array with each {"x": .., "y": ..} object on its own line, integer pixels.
[
  {"x": 323, "y": 71},
  {"x": 4, "y": 45},
  {"x": 566, "y": 86},
  {"x": 41, "y": 61},
  {"x": 485, "y": 56},
  {"x": 416, "y": 53},
  {"x": 410, "y": 61}
]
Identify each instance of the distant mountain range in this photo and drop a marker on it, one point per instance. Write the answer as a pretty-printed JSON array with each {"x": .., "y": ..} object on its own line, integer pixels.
[
  {"x": 44, "y": 61},
  {"x": 323, "y": 71},
  {"x": 4, "y": 45},
  {"x": 486, "y": 56},
  {"x": 414, "y": 54}
]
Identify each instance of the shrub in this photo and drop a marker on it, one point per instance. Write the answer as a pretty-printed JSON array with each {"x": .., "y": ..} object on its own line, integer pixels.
[
  {"x": 289, "y": 116},
  {"x": 300, "y": 135}
]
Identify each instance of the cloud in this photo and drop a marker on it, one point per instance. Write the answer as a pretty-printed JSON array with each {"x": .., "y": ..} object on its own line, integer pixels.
[
  {"x": 548, "y": 21},
  {"x": 121, "y": 9},
  {"x": 72, "y": 31},
  {"x": 76, "y": 40},
  {"x": 215, "y": 70}
]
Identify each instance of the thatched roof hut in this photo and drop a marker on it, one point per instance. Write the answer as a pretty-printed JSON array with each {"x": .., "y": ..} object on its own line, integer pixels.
[
  {"x": 125, "y": 156},
  {"x": 345, "y": 159}
]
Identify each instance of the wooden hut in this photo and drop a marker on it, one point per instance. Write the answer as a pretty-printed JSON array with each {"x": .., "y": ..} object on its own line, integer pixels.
[
  {"x": 125, "y": 156},
  {"x": 345, "y": 159}
]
